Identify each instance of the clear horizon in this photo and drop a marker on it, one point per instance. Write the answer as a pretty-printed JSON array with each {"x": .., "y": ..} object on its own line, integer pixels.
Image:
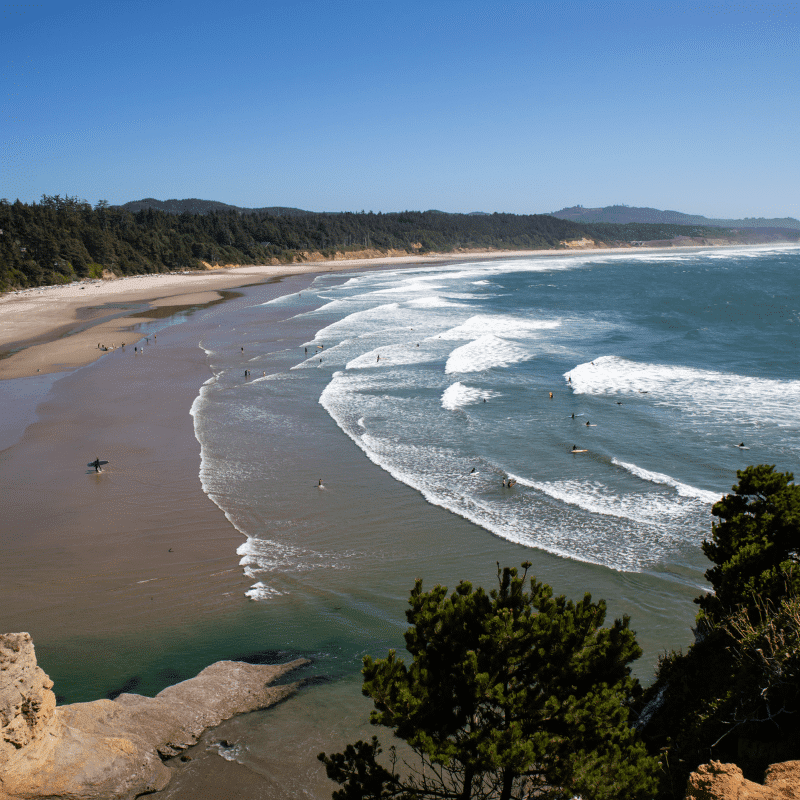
[{"x": 459, "y": 106}]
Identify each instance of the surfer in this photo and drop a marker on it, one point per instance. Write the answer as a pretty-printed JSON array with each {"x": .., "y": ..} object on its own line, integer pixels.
[
  {"x": 551, "y": 395},
  {"x": 573, "y": 416},
  {"x": 588, "y": 423},
  {"x": 511, "y": 482},
  {"x": 97, "y": 463},
  {"x": 319, "y": 485},
  {"x": 472, "y": 470}
]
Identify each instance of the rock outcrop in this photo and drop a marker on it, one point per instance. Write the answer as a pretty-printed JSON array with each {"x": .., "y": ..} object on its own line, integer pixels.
[
  {"x": 112, "y": 749},
  {"x": 716, "y": 781}
]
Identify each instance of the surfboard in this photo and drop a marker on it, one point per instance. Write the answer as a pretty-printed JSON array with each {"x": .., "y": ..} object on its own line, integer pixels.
[
  {"x": 741, "y": 447},
  {"x": 96, "y": 463},
  {"x": 579, "y": 451}
]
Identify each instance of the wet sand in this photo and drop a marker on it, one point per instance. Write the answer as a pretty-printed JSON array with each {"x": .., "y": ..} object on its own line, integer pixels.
[
  {"x": 135, "y": 560},
  {"x": 58, "y": 328}
]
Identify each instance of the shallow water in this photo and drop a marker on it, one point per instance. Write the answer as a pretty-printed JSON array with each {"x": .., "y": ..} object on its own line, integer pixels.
[{"x": 392, "y": 386}]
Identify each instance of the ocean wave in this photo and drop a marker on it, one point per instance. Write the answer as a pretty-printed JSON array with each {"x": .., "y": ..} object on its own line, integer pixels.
[
  {"x": 458, "y": 395},
  {"x": 260, "y": 591},
  {"x": 683, "y": 489},
  {"x": 392, "y": 356},
  {"x": 498, "y": 324},
  {"x": 484, "y": 353},
  {"x": 722, "y": 395},
  {"x": 595, "y": 497}
]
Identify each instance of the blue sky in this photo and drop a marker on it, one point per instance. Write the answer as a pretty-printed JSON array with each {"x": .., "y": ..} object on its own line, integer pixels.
[{"x": 523, "y": 107}]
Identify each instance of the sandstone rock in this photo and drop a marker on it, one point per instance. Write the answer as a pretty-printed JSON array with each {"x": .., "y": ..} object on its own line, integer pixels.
[
  {"x": 112, "y": 749},
  {"x": 716, "y": 781},
  {"x": 26, "y": 702}
]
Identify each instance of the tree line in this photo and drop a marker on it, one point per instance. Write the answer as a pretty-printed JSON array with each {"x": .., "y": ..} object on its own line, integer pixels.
[
  {"x": 61, "y": 239},
  {"x": 514, "y": 694}
]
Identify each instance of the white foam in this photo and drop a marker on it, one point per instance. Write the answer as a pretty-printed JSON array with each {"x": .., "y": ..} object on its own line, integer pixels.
[
  {"x": 485, "y": 353},
  {"x": 434, "y": 302},
  {"x": 392, "y": 356},
  {"x": 683, "y": 489},
  {"x": 724, "y": 396},
  {"x": 260, "y": 591},
  {"x": 592, "y": 496},
  {"x": 458, "y": 395},
  {"x": 499, "y": 325}
]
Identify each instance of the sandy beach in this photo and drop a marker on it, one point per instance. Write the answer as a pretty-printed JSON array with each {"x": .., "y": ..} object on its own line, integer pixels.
[
  {"x": 135, "y": 563},
  {"x": 59, "y": 328}
]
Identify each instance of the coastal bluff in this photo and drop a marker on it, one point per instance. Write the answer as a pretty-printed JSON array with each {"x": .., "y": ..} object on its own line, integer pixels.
[{"x": 112, "y": 749}]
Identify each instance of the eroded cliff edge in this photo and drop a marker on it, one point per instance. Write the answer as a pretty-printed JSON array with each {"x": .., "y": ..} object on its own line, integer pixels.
[{"x": 112, "y": 749}]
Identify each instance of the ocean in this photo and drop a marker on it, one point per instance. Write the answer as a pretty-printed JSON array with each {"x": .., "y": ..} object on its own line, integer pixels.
[
  {"x": 669, "y": 370},
  {"x": 384, "y": 413}
]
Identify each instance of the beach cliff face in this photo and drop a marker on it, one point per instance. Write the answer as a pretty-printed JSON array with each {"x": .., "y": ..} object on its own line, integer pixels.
[
  {"x": 716, "y": 781},
  {"x": 112, "y": 749}
]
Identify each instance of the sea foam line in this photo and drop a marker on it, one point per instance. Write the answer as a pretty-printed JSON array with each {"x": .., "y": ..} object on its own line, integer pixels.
[{"x": 683, "y": 489}]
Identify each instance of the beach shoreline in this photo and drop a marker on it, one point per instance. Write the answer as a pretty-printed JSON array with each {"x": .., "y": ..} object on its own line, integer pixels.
[{"x": 61, "y": 328}]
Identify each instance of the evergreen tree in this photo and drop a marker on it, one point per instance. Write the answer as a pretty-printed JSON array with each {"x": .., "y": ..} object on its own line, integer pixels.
[
  {"x": 738, "y": 683},
  {"x": 756, "y": 546},
  {"x": 508, "y": 695}
]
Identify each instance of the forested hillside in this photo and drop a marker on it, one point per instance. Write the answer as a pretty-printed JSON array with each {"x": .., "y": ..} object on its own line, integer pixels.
[{"x": 62, "y": 239}]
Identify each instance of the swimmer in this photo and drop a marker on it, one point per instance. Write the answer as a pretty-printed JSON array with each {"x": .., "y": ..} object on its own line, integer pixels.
[{"x": 551, "y": 395}]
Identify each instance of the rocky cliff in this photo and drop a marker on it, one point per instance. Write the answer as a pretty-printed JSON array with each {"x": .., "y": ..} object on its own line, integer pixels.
[
  {"x": 716, "y": 781},
  {"x": 112, "y": 749}
]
